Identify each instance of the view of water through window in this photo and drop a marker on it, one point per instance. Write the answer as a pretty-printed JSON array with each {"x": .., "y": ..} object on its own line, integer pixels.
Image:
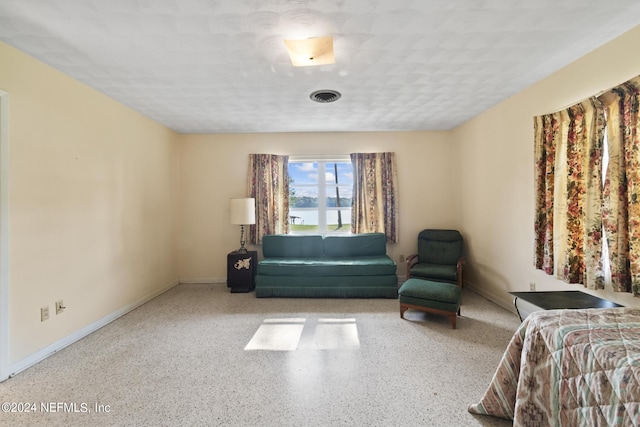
[{"x": 320, "y": 195}]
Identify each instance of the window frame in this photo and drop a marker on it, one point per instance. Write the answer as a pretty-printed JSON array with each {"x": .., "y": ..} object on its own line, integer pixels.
[{"x": 321, "y": 185}]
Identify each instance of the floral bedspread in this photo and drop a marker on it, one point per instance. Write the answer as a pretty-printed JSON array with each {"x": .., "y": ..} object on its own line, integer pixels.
[{"x": 569, "y": 368}]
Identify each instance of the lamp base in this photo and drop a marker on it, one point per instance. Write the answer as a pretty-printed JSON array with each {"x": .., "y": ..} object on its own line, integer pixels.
[{"x": 242, "y": 249}]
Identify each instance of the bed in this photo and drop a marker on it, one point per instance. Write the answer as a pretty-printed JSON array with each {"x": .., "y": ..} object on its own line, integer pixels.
[{"x": 569, "y": 368}]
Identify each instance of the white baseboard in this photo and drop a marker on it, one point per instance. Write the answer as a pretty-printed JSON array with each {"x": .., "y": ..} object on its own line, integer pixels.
[
  {"x": 203, "y": 280},
  {"x": 42, "y": 354},
  {"x": 491, "y": 297}
]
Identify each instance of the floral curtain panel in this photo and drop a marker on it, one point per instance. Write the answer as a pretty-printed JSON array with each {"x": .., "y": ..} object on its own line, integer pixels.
[
  {"x": 269, "y": 185},
  {"x": 582, "y": 261},
  {"x": 621, "y": 213},
  {"x": 547, "y": 136},
  {"x": 568, "y": 225},
  {"x": 576, "y": 207},
  {"x": 374, "y": 208}
]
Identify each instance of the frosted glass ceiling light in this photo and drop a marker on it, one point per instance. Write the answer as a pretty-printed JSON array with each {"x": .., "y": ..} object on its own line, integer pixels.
[{"x": 312, "y": 51}]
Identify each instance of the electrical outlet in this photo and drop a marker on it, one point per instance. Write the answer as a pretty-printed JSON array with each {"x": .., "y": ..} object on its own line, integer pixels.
[
  {"x": 60, "y": 307},
  {"x": 532, "y": 286},
  {"x": 44, "y": 313},
  {"x": 401, "y": 258}
]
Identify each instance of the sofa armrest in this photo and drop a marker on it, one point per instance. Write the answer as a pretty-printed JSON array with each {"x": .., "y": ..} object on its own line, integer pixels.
[{"x": 411, "y": 261}]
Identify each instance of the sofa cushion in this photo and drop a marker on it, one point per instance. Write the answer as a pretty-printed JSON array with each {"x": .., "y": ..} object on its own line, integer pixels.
[
  {"x": 327, "y": 287},
  {"x": 286, "y": 245},
  {"x": 366, "y": 244},
  {"x": 327, "y": 266}
]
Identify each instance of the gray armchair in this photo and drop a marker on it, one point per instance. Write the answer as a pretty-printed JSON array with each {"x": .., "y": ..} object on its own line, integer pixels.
[{"x": 439, "y": 257}]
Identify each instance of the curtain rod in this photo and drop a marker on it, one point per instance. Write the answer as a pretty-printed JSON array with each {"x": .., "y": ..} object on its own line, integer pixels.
[
  {"x": 566, "y": 107},
  {"x": 323, "y": 157},
  {"x": 635, "y": 79}
]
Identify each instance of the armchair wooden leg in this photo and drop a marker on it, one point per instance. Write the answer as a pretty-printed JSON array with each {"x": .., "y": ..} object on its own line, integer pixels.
[
  {"x": 403, "y": 308},
  {"x": 453, "y": 319}
]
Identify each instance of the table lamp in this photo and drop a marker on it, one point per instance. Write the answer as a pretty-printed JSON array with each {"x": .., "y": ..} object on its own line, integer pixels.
[{"x": 243, "y": 211}]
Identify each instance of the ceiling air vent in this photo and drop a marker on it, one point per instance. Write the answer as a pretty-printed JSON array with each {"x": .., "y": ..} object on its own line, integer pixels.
[{"x": 325, "y": 96}]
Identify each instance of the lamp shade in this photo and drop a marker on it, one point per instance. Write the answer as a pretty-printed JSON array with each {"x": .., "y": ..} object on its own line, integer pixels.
[{"x": 243, "y": 211}]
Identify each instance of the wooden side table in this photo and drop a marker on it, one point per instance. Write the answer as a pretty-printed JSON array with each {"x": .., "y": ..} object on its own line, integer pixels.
[{"x": 241, "y": 271}]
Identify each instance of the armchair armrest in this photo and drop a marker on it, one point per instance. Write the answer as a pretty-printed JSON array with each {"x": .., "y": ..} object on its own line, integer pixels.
[
  {"x": 411, "y": 261},
  {"x": 460, "y": 264}
]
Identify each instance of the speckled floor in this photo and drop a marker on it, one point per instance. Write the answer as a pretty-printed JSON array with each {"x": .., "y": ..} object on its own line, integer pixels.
[{"x": 181, "y": 360}]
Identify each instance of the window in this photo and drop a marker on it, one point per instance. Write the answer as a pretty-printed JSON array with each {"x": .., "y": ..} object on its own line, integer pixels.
[{"x": 320, "y": 192}]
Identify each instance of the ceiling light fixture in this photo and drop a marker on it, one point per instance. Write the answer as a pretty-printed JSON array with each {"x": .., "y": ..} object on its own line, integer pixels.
[
  {"x": 325, "y": 96},
  {"x": 312, "y": 51}
]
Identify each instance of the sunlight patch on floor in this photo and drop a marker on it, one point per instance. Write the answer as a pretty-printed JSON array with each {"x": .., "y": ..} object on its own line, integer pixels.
[
  {"x": 333, "y": 334},
  {"x": 285, "y": 334},
  {"x": 277, "y": 335}
]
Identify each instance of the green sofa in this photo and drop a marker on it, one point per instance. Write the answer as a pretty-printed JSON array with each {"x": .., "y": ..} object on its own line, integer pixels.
[{"x": 354, "y": 266}]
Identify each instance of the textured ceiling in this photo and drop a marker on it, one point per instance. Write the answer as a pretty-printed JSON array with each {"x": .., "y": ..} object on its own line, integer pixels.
[{"x": 210, "y": 66}]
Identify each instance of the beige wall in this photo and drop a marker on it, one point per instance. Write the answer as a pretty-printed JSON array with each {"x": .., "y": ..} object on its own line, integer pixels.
[
  {"x": 214, "y": 169},
  {"x": 496, "y": 154},
  {"x": 93, "y": 189}
]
